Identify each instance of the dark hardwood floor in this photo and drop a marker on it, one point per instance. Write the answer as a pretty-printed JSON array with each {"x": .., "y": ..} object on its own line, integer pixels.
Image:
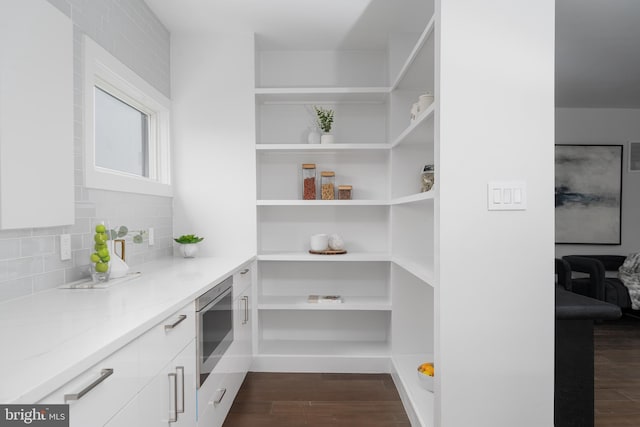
[
  {"x": 317, "y": 400},
  {"x": 617, "y": 373}
]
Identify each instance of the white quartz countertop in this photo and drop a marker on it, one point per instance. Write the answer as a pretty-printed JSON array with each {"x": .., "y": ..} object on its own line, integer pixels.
[{"x": 50, "y": 337}]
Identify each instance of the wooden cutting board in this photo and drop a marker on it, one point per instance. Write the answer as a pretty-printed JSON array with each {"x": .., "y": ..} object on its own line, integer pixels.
[{"x": 328, "y": 252}]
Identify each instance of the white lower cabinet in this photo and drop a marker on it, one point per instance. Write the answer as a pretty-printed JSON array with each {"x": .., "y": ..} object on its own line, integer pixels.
[
  {"x": 132, "y": 387},
  {"x": 170, "y": 398}
]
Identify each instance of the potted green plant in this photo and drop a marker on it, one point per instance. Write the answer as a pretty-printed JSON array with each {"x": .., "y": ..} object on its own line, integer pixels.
[
  {"x": 188, "y": 244},
  {"x": 325, "y": 122}
]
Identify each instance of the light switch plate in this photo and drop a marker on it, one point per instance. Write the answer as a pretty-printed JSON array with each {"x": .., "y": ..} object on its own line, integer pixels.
[
  {"x": 65, "y": 247},
  {"x": 507, "y": 196},
  {"x": 152, "y": 237}
]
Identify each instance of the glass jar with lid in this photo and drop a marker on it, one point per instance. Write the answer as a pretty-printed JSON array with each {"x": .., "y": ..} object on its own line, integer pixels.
[
  {"x": 328, "y": 181},
  {"x": 344, "y": 192},
  {"x": 309, "y": 181}
]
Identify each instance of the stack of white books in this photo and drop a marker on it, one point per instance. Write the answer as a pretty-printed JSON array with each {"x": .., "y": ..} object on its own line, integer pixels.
[{"x": 321, "y": 299}]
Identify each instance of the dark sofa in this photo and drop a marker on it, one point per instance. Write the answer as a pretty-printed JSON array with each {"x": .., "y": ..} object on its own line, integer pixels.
[{"x": 597, "y": 285}]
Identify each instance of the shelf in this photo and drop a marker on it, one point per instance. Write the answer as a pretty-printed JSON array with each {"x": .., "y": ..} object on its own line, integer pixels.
[
  {"x": 321, "y": 94},
  {"x": 405, "y": 367},
  {"x": 428, "y": 31},
  {"x": 324, "y": 348},
  {"x": 320, "y": 147},
  {"x": 414, "y": 132},
  {"x": 420, "y": 271},
  {"x": 322, "y": 203},
  {"x": 412, "y": 198},
  {"x": 300, "y": 303},
  {"x": 302, "y": 256}
]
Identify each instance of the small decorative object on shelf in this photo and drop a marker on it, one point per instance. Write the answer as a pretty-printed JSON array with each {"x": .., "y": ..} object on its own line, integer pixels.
[
  {"x": 344, "y": 192},
  {"x": 308, "y": 181},
  {"x": 427, "y": 178},
  {"x": 426, "y": 372},
  {"x": 324, "y": 299},
  {"x": 105, "y": 240},
  {"x": 325, "y": 122},
  {"x": 188, "y": 244},
  {"x": 424, "y": 101},
  {"x": 328, "y": 179},
  {"x": 414, "y": 112},
  {"x": 313, "y": 137},
  {"x": 336, "y": 242},
  {"x": 319, "y": 242}
]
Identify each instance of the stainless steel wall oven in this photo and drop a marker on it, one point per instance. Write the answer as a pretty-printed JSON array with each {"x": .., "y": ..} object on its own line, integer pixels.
[{"x": 214, "y": 323}]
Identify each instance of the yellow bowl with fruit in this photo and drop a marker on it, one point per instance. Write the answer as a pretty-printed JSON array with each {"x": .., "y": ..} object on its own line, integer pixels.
[{"x": 425, "y": 375}]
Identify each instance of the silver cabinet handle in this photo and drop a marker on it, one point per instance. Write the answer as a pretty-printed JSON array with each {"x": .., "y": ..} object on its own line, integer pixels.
[
  {"x": 180, "y": 372},
  {"x": 246, "y": 310},
  {"x": 173, "y": 325},
  {"x": 221, "y": 392},
  {"x": 173, "y": 417},
  {"x": 104, "y": 374},
  {"x": 245, "y": 271}
]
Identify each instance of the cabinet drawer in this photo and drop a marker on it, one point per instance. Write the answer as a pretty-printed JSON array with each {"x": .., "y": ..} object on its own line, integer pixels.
[
  {"x": 101, "y": 391},
  {"x": 214, "y": 408},
  {"x": 242, "y": 279},
  {"x": 165, "y": 340}
]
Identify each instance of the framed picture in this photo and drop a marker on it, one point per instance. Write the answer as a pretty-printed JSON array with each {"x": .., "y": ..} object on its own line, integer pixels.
[{"x": 588, "y": 194}]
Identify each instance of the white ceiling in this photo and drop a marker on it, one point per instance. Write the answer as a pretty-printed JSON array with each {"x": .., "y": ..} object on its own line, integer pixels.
[
  {"x": 298, "y": 24},
  {"x": 597, "y": 41}
]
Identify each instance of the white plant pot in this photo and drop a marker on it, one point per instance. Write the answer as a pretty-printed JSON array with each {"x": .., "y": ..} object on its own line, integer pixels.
[
  {"x": 326, "y": 138},
  {"x": 313, "y": 138},
  {"x": 424, "y": 101},
  {"x": 189, "y": 250}
]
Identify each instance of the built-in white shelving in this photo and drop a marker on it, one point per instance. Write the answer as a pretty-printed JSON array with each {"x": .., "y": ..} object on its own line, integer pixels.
[
  {"x": 322, "y": 203},
  {"x": 418, "y": 131},
  {"x": 427, "y": 195},
  {"x": 321, "y": 94},
  {"x": 417, "y": 54},
  {"x": 300, "y": 303},
  {"x": 338, "y": 147},
  {"x": 406, "y": 372},
  {"x": 387, "y": 278},
  {"x": 422, "y": 272},
  {"x": 301, "y": 256},
  {"x": 327, "y": 348}
]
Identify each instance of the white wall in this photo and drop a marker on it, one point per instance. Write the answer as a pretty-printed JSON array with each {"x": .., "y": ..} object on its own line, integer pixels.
[
  {"x": 495, "y": 121},
  {"x": 213, "y": 132},
  {"x": 603, "y": 127}
]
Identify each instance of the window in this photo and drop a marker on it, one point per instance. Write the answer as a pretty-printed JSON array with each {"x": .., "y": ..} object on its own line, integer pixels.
[{"x": 126, "y": 128}]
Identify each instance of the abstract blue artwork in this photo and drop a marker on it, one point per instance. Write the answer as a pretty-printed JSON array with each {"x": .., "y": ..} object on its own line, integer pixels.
[{"x": 588, "y": 194}]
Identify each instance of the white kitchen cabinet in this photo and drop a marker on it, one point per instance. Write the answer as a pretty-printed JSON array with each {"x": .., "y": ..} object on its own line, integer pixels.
[
  {"x": 126, "y": 385},
  {"x": 170, "y": 398},
  {"x": 101, "y": 391},
  {"x": 241, "y": 349},
  {"x": 36, "y": 115}
]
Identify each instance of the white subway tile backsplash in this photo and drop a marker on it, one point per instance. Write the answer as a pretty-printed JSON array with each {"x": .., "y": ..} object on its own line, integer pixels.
[
  {"x": 52, "y": 262},
  {"x": 42, "y": 282},
  {"x": 24, "y": 267},
  {"x": 32, "y": 246},
  {"x": 16, "y": 288},
  {"x": 9, "y": 248},
  {"x": 30, "y": 258}
]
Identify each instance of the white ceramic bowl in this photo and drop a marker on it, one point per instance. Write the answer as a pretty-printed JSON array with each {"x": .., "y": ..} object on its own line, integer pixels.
[{"x": 426, "y": 382}]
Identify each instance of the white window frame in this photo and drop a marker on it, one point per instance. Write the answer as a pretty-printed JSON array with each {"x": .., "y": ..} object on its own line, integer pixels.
[{"x": 103, "y": 70}]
